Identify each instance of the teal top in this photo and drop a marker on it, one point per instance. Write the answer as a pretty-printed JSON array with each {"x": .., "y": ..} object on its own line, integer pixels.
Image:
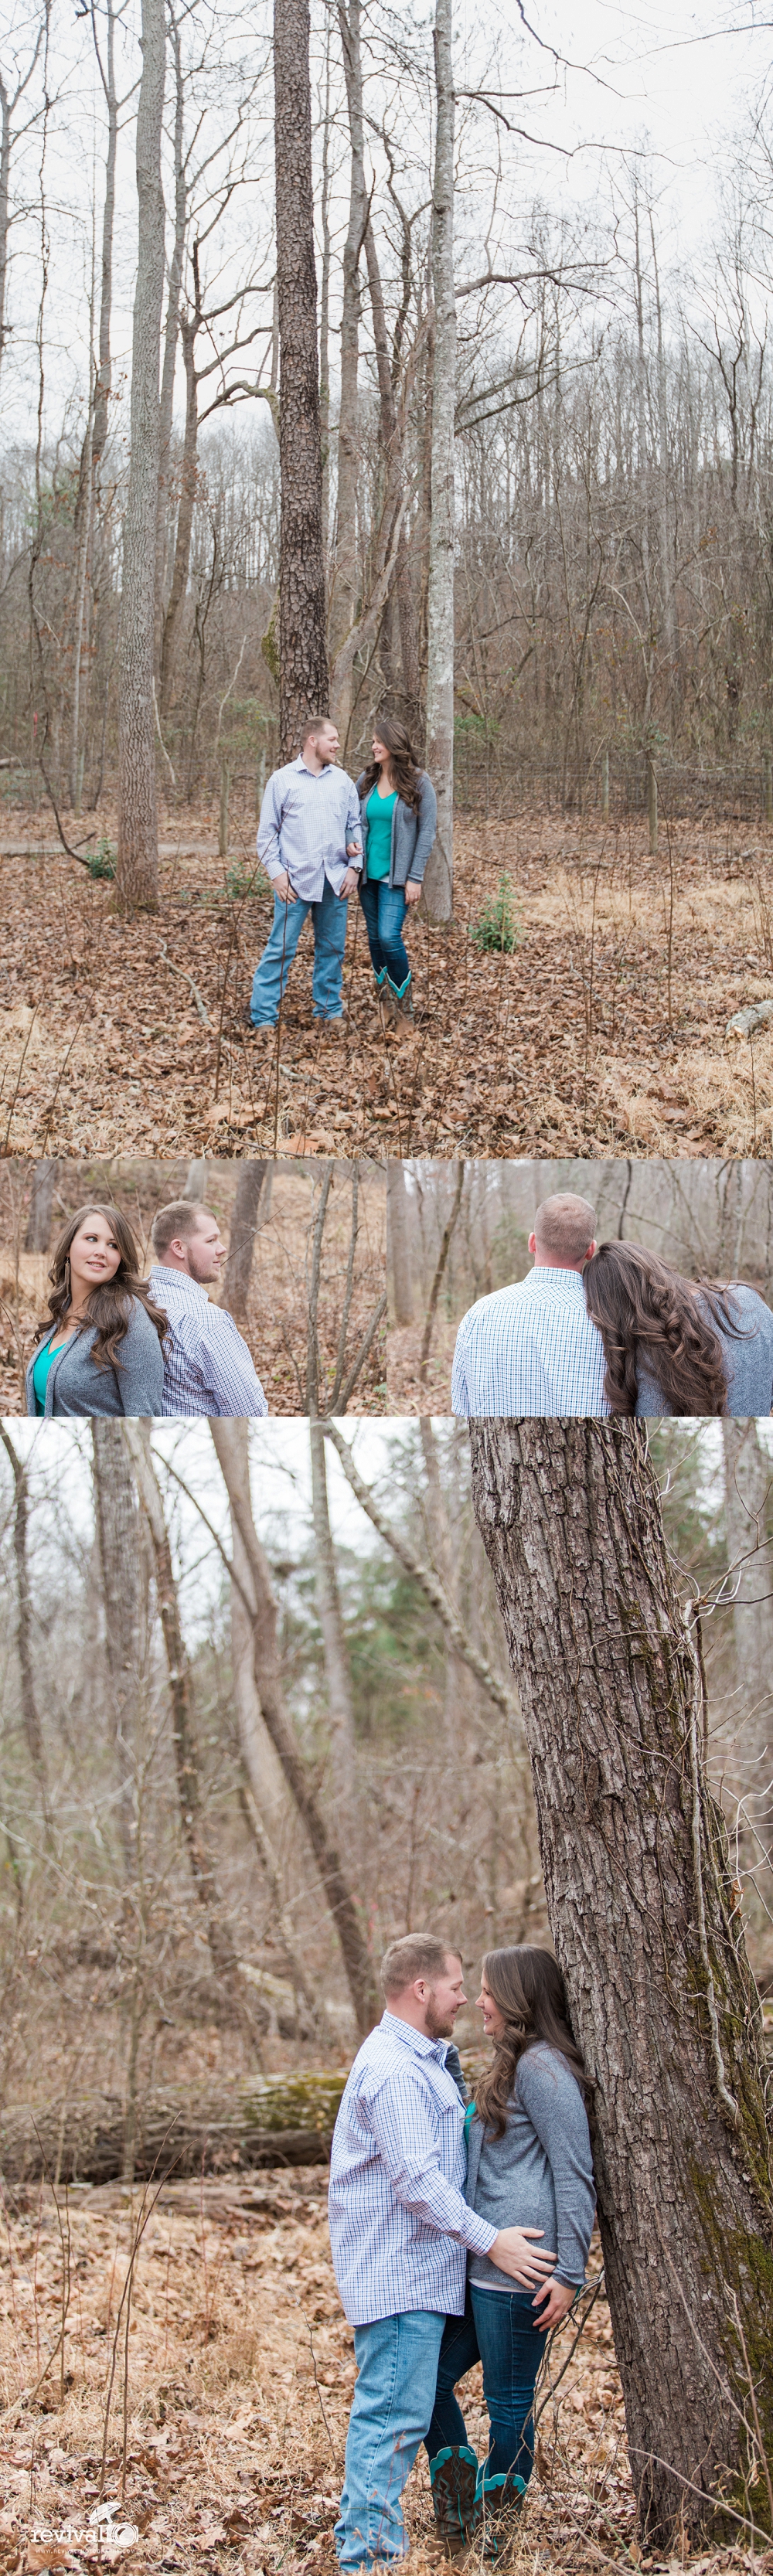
[
  {"x": 40, "y": 1371},
  {"x": 379, "y": 810}
]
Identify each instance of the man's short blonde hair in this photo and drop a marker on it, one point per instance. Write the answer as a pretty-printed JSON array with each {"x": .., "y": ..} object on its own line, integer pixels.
[
  {"x": 418, "y": 1954},
  {"x": 564, "y": 1226}
]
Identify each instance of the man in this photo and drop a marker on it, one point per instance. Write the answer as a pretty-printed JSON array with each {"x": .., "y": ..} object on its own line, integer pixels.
[
  {"x": 309, "y": 831},
  {"x": 531, "y": 1348},
  {"x": 399, "y": 2228},
  {"x": 207, "y": 1366}
]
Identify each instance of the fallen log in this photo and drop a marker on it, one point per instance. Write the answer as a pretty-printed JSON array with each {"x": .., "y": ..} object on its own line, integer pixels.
[{"x": 268, "y": 2122}]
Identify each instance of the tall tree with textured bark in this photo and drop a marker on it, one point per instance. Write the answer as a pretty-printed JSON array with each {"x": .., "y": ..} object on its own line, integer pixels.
[
  {"x": 439, "y": 877},
  {"x": 303, "y": 670},
  {"x": 121, "y": 1567},
  {"x": 648, "y": 1936},
  {"x": 137, "y": 865}
]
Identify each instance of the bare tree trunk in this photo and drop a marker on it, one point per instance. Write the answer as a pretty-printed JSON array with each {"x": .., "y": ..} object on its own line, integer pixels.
[
  {"x": 340, "y": 1706},
  {"x": 261, "y": 1762},
  {"x": 399, "y": 1244},
  {"x": 219, "y": 1936},
  {"x": 33, "y": 1731},
  {"x": 748, "y": 1488},
  {"x": 120, "y": 1558},
  {"x": 439, "y": 1269},
  {"x": 182, "y": 552},
  {"x": 345, "y": 579},
  {"x": 439, "y": 878},
  {"x": 38, "y": 1230},
  {"x": 196, "y": 1182},
  {"x": 303, "y": 671},
  {"x": 241, "y": 1240},
  {"x": 359, "y": 1972},
  {"x": 661, "y": 1995},
  {"x": 137, "y": 865},
  {"x": 171, "y": 330}
]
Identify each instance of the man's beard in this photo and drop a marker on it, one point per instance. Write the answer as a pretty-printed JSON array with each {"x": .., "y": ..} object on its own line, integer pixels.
[{"x": 437, "y": 2028}]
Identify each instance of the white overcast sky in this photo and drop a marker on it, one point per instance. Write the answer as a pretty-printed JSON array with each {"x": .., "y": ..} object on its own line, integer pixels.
[{"x": 672, "y": 81}]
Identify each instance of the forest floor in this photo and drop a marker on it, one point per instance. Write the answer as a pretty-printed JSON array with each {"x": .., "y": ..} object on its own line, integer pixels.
[
  {"x": 604, "y": 1031},
  {"x": 276, "y": 1323},
  {"x": 225, "y": 2442}
]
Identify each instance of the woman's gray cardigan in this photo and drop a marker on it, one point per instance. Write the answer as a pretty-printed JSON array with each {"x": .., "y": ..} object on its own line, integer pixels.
[
  {"x": 74, "y": 1385},
  {"x": 747, "y": 1357},
  {"x": 412, "y": 834},
  {"x": 540, "y": 2174}
]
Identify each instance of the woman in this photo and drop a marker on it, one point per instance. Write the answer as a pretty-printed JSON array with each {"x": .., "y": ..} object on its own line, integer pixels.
[
  {"x": 672, "y": 1345},
  {"x": 532, "y": 2167},
  {"x": 103, "y": 1351},
  {"x": 529, "y": 2165},
  {"x": 398, "y": 811}
]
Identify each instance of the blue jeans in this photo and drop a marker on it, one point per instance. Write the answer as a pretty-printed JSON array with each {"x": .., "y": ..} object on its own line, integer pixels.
[
  {"x": 499, "y": 2329},
  {"x": 397, "y": 2362},
  {"x": 384, "y": 907},
  {"x": 329, "y": 920}
]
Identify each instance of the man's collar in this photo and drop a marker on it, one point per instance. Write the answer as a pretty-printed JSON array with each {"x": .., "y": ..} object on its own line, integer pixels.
[
  {"x": 300, "y": 763},
  {"x": 547, "y": 1270},
  {"x": 182, "y": 1279},
  {"x": 417, "y": 2039}
]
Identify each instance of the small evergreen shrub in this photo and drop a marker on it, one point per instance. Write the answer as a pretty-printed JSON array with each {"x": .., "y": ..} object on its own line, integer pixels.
[
  {"x": 498, "y": 926},
  {"x": 102, "y": 859}
]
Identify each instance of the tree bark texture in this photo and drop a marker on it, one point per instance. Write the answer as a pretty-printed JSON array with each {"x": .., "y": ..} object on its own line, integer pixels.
[
  {"x": 223, "y": 1954},
  {"x": 346, "y": 568},
  {"x": 661, "y": 1996},
  {"x": 45, "y": 1175},
  {"x": 137, "y": 864},
  {"x": 189, "y": 327},
  {"x": 30, "y": 1713},
  {"x": 120, "y": 1558},
  {"x": 340, "y": 1706},
  {"x": 338, "y": 1896},
  {"x": 241, "y": 1241},
  {"x": 439, "y": 878},
  {"x": 748, "y": 1487},
  {"x": 398, "y": 1239},
  {"x": 303, "y": 671}
]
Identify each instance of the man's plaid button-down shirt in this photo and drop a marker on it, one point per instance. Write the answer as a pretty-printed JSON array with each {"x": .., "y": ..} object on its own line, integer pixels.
[{"x": 399, "y": 2223}]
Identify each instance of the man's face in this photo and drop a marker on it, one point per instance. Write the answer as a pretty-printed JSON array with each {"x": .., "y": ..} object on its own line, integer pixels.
[
  {"x": 206, "y": 1250},
  {"x": 325, "y": 744},
  {"x": 445, "y": 1997}
]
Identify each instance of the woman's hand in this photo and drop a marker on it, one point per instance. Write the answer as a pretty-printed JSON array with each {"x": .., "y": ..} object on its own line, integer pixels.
[
  {"x": 524, "y": 2262},
  {"x": 559, "y": 2297},
  {"x": 412, "y": 892}
]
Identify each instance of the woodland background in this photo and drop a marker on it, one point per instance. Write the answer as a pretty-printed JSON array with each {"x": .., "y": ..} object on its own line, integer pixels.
[{"x": 455, "y": 1232}]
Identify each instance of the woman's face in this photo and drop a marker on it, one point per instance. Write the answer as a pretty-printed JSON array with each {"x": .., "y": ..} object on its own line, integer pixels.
[
  {"x": 493, "y": 2019},
  {"x": 379, "y": 750},
  {"x": 94, "y": 1254}
]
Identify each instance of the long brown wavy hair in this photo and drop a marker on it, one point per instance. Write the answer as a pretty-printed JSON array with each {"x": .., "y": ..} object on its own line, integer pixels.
[
  {"x": 645, "y": 1311},
  {"x": 529, "y": 1989},
  {"x": 109, "y": 1306},
  {"x": 404, "y": 765}
]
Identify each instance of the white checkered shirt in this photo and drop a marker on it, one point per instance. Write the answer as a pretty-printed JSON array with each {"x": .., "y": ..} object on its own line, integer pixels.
[
  {"x": 530, "y": 1348},
  {"x": 399, "y": 2224},
  {"x": 207, "y": 1366}
]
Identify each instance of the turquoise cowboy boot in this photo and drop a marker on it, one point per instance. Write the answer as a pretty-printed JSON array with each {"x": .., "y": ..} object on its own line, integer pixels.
[
  {"x": 498, "y": 2502},
  {"x": 453, "y": 2477}
]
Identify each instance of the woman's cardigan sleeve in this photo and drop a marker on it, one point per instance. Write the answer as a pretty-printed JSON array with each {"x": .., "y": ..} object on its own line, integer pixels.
[{"x": 140, "y": 1369}]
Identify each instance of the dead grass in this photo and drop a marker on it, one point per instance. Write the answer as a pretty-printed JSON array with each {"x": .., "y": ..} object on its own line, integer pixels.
[
  {"x": 605, "y": 1030},
  {"x": 240, "y": 2376}
]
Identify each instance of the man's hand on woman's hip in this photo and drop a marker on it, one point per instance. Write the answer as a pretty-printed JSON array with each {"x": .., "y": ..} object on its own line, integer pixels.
[{"x": 526, "y": 2262}]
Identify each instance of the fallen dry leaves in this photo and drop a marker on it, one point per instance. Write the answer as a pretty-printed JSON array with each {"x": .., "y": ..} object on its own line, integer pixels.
[
  {"x": 604, "y": 1030},
  {"x": 240, "y": 2374}
]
